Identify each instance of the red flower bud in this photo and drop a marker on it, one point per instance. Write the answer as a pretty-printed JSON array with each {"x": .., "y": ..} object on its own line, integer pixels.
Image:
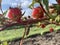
[
  {"x": 42, "y": 25},
  {"x": 14, "y": 14},
  {"x": 37, "y": 13},
  {"x": 51, "y": 29}
]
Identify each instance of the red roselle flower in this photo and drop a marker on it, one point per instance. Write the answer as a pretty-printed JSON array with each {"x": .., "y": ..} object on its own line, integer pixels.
[
  {"x": 42, "y": 25},
  {"x": 37, "y": 13},
  {"x": 51, "y": 29},
  {"x": 14, "y": 14}
]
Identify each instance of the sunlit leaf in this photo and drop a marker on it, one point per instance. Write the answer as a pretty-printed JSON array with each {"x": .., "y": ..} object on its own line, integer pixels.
[{"x": 57, "y": 28}]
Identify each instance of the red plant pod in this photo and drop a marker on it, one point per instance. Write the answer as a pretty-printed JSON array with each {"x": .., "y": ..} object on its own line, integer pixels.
[
  {"x": 14, "y": 14},
  {"x": 42, "y": 25},
  {"x": 37, "y": 13},
  {"x": 51, "y": 29},
  {"x": 58, "y": 1}
]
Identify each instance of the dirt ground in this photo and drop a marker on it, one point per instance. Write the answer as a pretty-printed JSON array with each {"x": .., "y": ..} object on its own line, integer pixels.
[{"x": 45, "y": 39}]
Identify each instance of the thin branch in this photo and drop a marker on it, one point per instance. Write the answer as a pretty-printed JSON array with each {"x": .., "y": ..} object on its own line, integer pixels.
[
  {"x": 21, "y": 42},
  {"x": 44, "y": 10},
  {"x": 29, "y": 21},
  {"x": 32, "y": 21}
]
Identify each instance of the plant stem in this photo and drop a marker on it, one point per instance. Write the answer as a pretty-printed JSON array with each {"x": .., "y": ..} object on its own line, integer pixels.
[
  {"x": 44, "y": 10},
  {"x": 21, "y": 42}
]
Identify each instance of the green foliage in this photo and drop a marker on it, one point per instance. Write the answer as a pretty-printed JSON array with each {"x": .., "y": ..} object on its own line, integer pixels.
[
  {"x": 57, "y": 28},
  {"x": 45, "y": 2},
  {"x": 12, "y": 34},
  {"x": 53, "y": 16},
  {"x": 5, "y": 43},
  {"x": 57, "y": 7},
  {"x": 57, "y": 19}
]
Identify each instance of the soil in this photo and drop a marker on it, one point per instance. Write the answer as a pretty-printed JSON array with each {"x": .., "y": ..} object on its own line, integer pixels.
[{"x": 45, "y": 39}]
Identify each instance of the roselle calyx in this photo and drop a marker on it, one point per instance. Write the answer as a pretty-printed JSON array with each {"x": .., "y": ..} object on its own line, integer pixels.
[
  {"x": 51, "y": 29},
  {"x": 42, "y": 25},
  {"x": 14, "y": 14},
  {"x": 37, "y": 13}
]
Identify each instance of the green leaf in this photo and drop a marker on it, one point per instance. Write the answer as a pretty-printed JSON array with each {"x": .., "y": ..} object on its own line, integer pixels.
[
  {"x": 57, "y": 19},
  {"x": 51, "y": 25},
  {"x": 57, "y": 7},
  {"x": 53, "y": 16},
  {"x": 45, "y": 2},
  {"x": 57, "y": 28},
  {"x": 5, "y": 43}
]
